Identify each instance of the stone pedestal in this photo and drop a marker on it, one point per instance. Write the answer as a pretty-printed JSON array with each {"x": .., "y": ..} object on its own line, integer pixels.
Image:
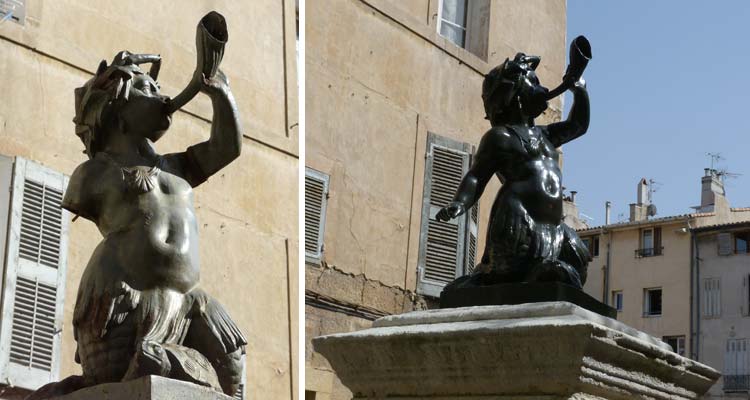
[
  {"x": 146, "y": 388},
  {"x": 552, "y": 350}
]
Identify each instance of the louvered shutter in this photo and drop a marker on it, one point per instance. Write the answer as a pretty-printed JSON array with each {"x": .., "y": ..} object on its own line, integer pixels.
[
  {"x": 316, "y": 199},
  {"x": 472, "y": 236},
  {"x": 726, "y": 246},
  {"x": 34, "y": 281},
  {"x": 442, "y": 250}
]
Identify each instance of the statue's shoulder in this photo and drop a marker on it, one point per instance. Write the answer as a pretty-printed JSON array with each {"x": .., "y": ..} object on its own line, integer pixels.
[
  {"x": 95, "y": 168},
  {"x": 499, "y": 137}
]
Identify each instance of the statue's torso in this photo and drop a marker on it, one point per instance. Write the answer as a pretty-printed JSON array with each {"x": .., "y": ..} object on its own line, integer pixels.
[
  {"x": 531, "y": 173},
  {"x": 150, "y": 230}
]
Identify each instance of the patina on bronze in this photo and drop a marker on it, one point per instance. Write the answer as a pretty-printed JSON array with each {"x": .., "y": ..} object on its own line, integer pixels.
[
  {"x": 526, "y": 238},
  {"x": 138, "y": 310}
]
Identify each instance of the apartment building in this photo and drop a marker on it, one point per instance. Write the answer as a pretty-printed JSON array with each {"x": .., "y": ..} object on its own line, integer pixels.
[
  {"x": 394, "y": 112},
  {"x": 643, "y": 267},
  {"x": 247, "y": 214},
  {"x": 721, "y": 305}
]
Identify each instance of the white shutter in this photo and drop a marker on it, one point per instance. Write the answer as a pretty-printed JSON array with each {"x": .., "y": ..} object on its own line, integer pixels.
[
  {"x": 316, "y": 199},
  {"x": 726, "y": 245},
  {"x": 472, "y": 235},
  {"x": 34, "y": 281},
  {"x": 442, "y": 244}
]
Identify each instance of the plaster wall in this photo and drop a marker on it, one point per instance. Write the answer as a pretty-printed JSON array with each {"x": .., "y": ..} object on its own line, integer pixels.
[
  {"x": 379, "y": 78},
  {"x": 733, "y": 321},
  {"x": 247, "y": 212}
]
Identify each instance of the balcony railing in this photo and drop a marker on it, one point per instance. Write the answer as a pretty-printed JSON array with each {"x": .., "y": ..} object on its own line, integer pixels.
[
  {"x": 649, "y": 252},
  {"x": 736, "y": 383}
]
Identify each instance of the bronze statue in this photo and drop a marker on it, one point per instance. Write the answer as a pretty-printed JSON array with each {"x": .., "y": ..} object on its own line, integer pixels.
[
  {"x": 526, "y": 238},
  {"x": 138, "y": 310}
]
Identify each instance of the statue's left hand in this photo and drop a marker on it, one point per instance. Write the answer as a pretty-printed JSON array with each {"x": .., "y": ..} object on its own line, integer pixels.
[
  {"x": 451, "y": 211},
  {"x": 216, "y": 84}
]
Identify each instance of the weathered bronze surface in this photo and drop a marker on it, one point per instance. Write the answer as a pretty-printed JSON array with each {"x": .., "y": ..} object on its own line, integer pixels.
[
  {"x": 526, "y": 238},
  {"x": 138, "y": 310}
]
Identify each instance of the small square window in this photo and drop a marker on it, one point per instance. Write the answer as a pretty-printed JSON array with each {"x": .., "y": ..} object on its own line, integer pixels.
[
  {"x": 652, "y": 302},
  {"x": 677, "y": 343},
  {"x": 617, "y": 300}
]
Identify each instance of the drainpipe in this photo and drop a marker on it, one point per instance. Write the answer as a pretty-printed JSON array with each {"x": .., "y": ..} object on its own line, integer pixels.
[
  {"x": 607, "y": 267},
  {"x": 607, "y": 210},
  {"x": 695, "y": 320}
]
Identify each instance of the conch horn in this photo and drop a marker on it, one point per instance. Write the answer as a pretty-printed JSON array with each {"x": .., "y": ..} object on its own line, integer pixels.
[
  {"x": 580, "y": 54},
  {"x": 210, "y": 38}
]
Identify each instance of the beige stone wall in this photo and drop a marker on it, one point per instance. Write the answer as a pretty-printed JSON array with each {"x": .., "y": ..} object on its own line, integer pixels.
[
  {"x": 379, "y": 78},
  {"x": 247, "y": 213}
]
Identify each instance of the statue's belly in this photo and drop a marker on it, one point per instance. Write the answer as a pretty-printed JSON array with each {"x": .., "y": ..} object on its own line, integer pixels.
[
  {"x": 540, "y": 192},
  {"x": 159, "y": 250}
]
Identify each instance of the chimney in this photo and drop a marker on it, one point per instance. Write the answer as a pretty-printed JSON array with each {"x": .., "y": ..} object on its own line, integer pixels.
[
  {"x": 573, "y": 196},
  {"x": 643, "y": 192},
  {"x": 638, "y": 210},
  {"x": 711, "y": 188},
  {"x": 607, "y": 212}
]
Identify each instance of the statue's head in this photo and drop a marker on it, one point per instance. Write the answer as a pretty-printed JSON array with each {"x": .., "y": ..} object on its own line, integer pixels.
[
  {"x": 514, "y": 84},
  {"x": 121, "y": 96}
]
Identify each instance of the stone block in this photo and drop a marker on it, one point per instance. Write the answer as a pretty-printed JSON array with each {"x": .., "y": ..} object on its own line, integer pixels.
[
  {"x": 550, "y": 350},
  {"x": 147, "y": 388}
]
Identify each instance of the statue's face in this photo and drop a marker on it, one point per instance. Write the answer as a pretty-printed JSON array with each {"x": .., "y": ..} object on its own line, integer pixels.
[
  {"x": 532, "y": 95},
  {"x": 145, "y": 112}
]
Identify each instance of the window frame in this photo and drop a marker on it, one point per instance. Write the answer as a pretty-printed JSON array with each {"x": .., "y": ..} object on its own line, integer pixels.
[
  {"x": 34, "y": 275},
  {"x": 615, "y": 295},
  {"x": 317, "y": 256},
  {"x": 656, "y": 248},
  {"x": 647, "y": 302},
  {"x": 426, "y": 285},
  {"x": 679, "y": 341}
]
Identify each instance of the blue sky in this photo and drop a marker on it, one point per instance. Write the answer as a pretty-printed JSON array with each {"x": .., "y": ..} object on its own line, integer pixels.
[{"x": 669, "y": 82}]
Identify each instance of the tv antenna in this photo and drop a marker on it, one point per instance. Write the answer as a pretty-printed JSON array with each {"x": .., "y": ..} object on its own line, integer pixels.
[{"x": 715, "y": 158}]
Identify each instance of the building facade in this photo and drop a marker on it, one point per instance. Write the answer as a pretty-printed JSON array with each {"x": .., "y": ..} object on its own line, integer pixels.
[
  {"x": 394, "y": 112},
  {"x": 721, "y": 305},
  {"x": 645, "y": 267},
  {"x": 247, "y": 213}
]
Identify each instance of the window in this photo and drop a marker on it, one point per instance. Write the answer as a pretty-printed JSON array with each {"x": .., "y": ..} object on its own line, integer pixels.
[
  {"x": 711, "y": 297},
  {"x": 650, "y": 243},
  {"x": 466, "y": 24},
  {"x": 309, "y": 395},
  {"x": 617, "y": 300},
  {"x": 736, "y": 375},
  {"x": 34, "y": 280},
  {"x": 316, "y": 199},
  {"x": 652, "y": 302},
  {"x": 677, "y": 343},
  {"x": 741, "y": 240},
  {"x": 447, "y": 250},
  {"x": 592, "y": 244}
]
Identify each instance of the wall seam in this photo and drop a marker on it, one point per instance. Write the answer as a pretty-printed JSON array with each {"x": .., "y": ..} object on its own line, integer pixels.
[{"x": 84, "y": 70}]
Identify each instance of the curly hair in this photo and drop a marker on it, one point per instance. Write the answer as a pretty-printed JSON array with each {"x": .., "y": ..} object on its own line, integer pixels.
[
  {"x": 110, "y": 85},
  {"x": 502, "y": 83}
]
